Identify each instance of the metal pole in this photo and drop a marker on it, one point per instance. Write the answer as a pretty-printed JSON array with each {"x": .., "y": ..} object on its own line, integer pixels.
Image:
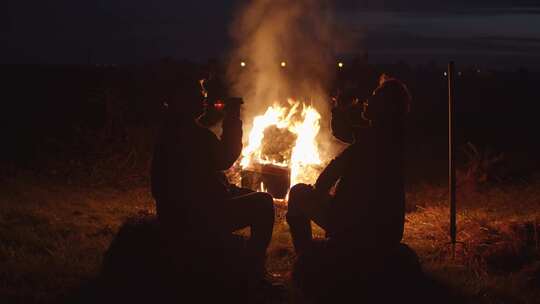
[{"x": 451, "y": 157}]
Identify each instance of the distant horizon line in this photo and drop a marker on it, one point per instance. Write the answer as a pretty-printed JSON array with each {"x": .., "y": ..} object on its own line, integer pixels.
[{"x": 438, "y": 64}]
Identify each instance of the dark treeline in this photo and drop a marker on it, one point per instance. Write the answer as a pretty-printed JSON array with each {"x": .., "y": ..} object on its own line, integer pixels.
[{"x": 48, "y": 110}]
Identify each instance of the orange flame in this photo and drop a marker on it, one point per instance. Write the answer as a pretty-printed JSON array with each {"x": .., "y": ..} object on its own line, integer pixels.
[{"x": 299, "y": 119}]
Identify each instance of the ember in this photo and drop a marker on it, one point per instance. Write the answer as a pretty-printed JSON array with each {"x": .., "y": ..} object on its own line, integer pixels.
[{"x": 281, "y": 145}]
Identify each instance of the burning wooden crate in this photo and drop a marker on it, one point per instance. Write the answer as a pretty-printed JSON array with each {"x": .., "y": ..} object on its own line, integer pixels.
[
  {"x": 270, "y": 178},
  {"x": 282, "y": 149}
]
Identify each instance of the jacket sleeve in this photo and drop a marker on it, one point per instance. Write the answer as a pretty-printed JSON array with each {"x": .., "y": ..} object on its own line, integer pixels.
[
  {"x": 333, "y": 171},
  {"x": 228, "y": 148}
]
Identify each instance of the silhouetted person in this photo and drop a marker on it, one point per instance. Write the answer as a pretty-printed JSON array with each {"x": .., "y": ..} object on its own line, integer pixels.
[
  {"x": 368, "y": 207},
  {"x": 194, "y": 200}
]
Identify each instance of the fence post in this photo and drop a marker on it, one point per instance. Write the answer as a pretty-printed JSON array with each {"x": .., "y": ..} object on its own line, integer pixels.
[{"x": 451, "y": 157}]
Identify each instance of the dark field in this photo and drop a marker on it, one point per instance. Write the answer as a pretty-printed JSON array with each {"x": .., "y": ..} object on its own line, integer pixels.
[
  {"x": 54, "y": 236},
  {"x": 78, "y": 142}
]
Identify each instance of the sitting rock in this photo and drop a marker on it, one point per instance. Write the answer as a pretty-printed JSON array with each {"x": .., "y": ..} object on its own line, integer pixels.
[
  {"x": 327, "y": 275},
  {"x": 141, "y": 267}
]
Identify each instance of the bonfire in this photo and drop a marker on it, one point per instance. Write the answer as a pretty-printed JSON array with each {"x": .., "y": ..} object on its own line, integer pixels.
[{"x": 282, "y": 143}]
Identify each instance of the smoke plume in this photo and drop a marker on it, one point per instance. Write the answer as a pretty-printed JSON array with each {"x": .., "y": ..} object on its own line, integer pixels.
[
  {"x": 300, "y": 34},
  {"x": 269, "y": 32}
]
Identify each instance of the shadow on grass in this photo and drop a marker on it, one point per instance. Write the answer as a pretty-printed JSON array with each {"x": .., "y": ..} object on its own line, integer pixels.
[
  {"x": 138, "y": 268},
  {"x": 326, "y": 276}
]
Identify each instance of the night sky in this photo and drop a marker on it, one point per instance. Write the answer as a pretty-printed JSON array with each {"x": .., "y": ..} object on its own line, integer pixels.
[{"x": 485, "y": 32}]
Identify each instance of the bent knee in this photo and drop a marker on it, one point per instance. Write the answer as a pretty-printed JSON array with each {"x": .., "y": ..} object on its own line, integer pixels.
[
  {"x": 300, "y": 188},
  {"x": 299, "y": 195}
]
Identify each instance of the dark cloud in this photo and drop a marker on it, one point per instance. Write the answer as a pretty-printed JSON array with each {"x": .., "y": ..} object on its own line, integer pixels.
[
  {"x": 403, "y": 40},
  {"x": 432, "y": 5},
  {"x": 478, "y": 38},
  {"x": 123, "y": 31},
  {"x": 113, "y": 31}
]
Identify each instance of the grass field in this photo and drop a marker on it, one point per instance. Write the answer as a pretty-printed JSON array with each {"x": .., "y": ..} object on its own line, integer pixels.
[{"x": 53, "y": 235}]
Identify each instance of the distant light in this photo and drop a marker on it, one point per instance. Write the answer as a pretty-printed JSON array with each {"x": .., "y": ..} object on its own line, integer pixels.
[
  {"x": 243, "y": 64},
  {"x": 340, "y": 64},
  {"x": 445, "y": 74},
  {"x": 283, "y": 64}
]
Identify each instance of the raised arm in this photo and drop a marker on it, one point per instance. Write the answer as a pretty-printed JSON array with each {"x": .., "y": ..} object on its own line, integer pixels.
[
  {"x": 229, "y": 146},
  {"x": 333, "y": 171}
]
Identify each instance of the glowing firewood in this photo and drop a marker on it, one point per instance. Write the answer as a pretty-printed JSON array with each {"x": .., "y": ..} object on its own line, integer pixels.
[{"x": 303, "y": 122}]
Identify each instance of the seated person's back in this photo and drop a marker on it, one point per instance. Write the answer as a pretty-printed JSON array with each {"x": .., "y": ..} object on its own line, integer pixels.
[
  {"x": 185, "y": 176},
  {"x": 368, "y": 207}
]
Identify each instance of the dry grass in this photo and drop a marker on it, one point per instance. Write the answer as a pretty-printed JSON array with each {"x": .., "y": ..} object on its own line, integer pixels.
[
  {"x": 53, "y": 236},
  {"x": 498, "y": 233}
]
